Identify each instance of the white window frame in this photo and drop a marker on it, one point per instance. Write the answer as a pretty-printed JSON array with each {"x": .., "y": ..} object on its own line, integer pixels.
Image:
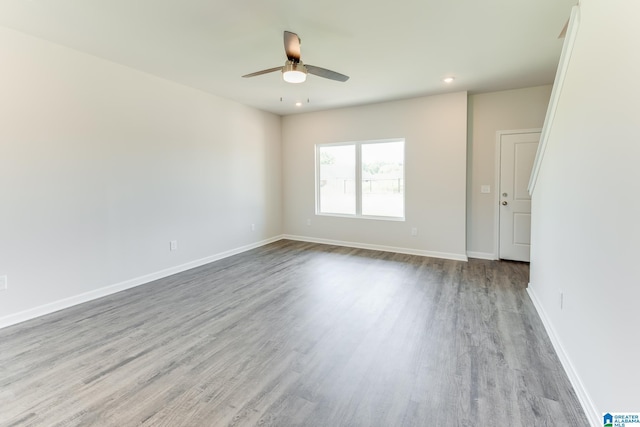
[{"x": 358, "y": 179}]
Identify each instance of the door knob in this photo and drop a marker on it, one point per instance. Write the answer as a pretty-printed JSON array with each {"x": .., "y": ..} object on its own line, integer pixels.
[{"x": 504, "y": 203}]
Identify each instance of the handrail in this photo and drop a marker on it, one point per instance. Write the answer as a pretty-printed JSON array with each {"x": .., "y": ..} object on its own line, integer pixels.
[{"x": 561, "y": 73}]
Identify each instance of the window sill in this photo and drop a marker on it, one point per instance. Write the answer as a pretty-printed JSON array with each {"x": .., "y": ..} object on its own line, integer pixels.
[{"x": 375, "y": 218}]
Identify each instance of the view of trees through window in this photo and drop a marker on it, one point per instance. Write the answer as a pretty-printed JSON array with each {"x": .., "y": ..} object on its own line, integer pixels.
[{"x": 377, "y": 167}]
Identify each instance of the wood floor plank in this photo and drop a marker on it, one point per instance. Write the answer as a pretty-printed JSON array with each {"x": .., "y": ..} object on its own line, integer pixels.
[{"x": 295, "y": 334}]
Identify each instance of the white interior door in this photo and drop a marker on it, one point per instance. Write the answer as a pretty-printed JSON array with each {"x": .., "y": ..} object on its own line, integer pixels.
[{"x": 517, "y": 153}]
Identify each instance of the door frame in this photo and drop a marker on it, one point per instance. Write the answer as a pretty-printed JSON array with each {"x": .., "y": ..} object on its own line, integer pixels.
[{"x": 496, "y": 183}]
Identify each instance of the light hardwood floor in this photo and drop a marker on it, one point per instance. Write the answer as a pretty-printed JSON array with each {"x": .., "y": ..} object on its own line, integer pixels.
[{"x": 295, "y": 334}]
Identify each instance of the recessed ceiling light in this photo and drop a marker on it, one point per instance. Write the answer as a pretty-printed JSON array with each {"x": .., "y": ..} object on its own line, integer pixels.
[
  {"x": 448, "y": 79},
  {"x": 298, "y": 104}
]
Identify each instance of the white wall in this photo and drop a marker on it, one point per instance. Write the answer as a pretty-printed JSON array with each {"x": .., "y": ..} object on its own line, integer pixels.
[
  {"x": 101, "y": 166},
  {"x": 435, "y": 171},
  {"x": 489, "y": 113},
  {"x": 586, "y": 212}
]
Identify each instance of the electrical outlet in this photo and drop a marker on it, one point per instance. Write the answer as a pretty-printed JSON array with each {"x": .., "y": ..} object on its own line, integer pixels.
[
  {"x": 414, "y": 231},
  {"x": 253, "y": 227},
  {"x": 173, "y": 245},
  {"x": 485, "y": 189},
  {"x": 3, "y": 283}
]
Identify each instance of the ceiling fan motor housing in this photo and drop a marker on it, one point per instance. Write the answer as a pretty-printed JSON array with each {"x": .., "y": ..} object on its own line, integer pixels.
[{"x": 294, "y": 72}]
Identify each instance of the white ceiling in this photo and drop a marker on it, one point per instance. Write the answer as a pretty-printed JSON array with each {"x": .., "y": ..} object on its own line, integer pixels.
[{"x": 390, "y": 49}]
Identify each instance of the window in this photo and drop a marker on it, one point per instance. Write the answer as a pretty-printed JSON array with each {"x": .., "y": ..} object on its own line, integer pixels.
[{"x": 361, "y": 179}]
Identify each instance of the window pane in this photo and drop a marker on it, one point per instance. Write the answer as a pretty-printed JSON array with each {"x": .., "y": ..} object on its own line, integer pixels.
[
  {"x": 337, "y": 179},
  {"x": 383, "y": 179}
]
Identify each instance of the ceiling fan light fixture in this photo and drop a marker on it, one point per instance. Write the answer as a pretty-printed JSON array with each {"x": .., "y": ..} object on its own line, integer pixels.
[{"x": 294, "y": 72}]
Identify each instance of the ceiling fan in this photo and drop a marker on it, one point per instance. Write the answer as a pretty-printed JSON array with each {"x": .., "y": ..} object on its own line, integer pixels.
[{"x": 294, "y": 70}]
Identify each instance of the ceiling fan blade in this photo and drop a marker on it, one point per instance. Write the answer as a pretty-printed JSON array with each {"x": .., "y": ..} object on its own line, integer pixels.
[
  {"x": 292, "y": 46},
  {"x": 258, "y": 73},
  {"x": 327, "y": 74}
]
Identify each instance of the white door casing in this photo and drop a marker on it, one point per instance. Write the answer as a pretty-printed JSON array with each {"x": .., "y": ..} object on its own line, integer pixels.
[{"x": 517, "y": 153}]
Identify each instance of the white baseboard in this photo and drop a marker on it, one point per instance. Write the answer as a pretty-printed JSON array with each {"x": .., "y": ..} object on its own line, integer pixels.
[
  {"x": 588, "y": 406},
  {"x": 482, "y": 255},
  {"x": 48, "y": 308},
  {"x": 32, "y": 313},
  {"x": 432, "y": 254}
]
